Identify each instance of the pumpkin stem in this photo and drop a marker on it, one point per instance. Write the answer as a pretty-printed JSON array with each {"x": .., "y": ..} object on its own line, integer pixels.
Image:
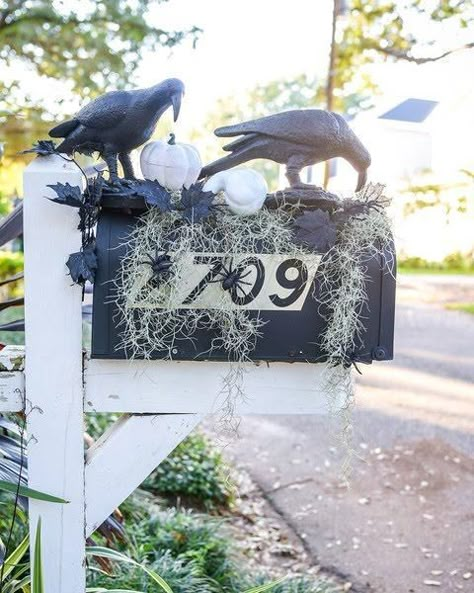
[{"x": 172, "y": 139}]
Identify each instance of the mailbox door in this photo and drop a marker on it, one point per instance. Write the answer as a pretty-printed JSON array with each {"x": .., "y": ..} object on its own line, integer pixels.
[{"x": 287, "y": 336}]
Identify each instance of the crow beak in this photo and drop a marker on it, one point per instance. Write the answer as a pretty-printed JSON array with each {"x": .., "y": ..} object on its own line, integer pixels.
[
  {"x": 176, "y": 101},
  {"x": 362, "y": 180}
]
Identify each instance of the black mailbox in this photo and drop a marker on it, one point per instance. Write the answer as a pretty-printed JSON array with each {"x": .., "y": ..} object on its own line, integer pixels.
[{"x": 288, "y": 334}]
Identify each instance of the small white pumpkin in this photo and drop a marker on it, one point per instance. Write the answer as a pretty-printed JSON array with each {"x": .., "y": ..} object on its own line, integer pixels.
[
  {"x": 244, "y": 190},
  {"x": 172, "y": 165}
]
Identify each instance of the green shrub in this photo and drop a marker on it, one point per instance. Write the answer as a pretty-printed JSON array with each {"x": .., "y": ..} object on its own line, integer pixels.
[
  {"x": 181, "y": 576},
  {"x": 6, "y": 316},
  {"x": 97, "y": 424},
  {"x": 194, "y": 472},
  {"x": 11, "y": 263},
  {"x": 455, "y": 263},
  {"x": 459, "y": 261},
  {"x": 189, "y": 537}
]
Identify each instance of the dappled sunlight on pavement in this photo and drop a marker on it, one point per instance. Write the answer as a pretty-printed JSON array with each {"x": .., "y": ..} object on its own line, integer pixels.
[
  {"x": 422, "y": 396},
  {"x": 406, "y": 523}
]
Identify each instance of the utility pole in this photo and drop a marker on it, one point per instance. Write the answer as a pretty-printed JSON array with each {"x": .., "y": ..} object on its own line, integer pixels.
[{"x": 336, "y": 11}]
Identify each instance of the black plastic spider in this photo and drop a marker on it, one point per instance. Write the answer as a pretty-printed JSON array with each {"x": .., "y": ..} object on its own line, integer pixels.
[
  {"x": 232, "y": 278},
  {"x": 160, "y": 265}
]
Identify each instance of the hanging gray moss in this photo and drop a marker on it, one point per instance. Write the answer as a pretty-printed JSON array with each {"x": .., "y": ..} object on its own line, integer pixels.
[
  {"x": 153, "y": 319},
  {"x": 343, "y": 273}
]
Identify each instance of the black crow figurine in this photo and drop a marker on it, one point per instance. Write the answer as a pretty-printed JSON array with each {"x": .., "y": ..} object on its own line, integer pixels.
[
  {"x": 117, "y": 122},
  {"x": 296, "y": 139}
]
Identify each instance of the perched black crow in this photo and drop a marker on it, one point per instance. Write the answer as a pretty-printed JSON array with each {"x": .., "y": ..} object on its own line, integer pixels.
[
  {"x": 117, "y": 122},
  {"x": 296, "y": 139}
]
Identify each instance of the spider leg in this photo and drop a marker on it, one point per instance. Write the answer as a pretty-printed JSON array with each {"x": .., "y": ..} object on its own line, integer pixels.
[
  {"x": 231, "y": 266},
  {"x": 245, "y": 275},
  {"x": 222, "y": 276},
  {"x": 240, "y": 282},
  {"x": 238, "y": 287}
]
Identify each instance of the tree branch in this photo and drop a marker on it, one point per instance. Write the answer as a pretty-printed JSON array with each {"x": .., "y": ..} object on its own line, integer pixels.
[{"x": 400, "y": 55}]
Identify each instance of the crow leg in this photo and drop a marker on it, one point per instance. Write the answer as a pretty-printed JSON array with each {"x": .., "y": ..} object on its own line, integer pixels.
[
  {"x": 127, "y": 166},
  {"x": 293, "y": 170},
  {"x": 293, "y": 175},
  {"x": 111, "y": 160}
]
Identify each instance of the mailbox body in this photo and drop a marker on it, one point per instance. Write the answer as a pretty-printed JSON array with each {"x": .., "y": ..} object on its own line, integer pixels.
[{"x": 287, "y": 336}]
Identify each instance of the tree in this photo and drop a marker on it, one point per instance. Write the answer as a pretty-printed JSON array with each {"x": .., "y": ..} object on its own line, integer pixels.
[
  {"x": 367, "y": 31},
  {"x": 371, "y": 31},
  {"x": 96, "y": 44}
]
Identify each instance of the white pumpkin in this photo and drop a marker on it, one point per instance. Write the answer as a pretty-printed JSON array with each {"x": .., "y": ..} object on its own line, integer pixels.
[
  {"x": 244, "y": 190},
  {"x": 172, "y": 165}
]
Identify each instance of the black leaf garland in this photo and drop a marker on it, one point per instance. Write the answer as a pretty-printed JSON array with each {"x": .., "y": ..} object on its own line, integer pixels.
[
  {"x": 196, "y": 204},
  {"x": 315, "y": 229},
  {"x": 68, "y": 195}
]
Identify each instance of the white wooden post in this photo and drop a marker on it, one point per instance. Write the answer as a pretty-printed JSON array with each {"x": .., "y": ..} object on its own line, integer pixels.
[{"x": 54, "y": 389}]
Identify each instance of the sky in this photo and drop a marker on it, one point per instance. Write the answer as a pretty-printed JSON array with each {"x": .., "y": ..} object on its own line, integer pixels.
[
  {"x": 243, "y": 44},
  {"x": 247, "y": 42}
]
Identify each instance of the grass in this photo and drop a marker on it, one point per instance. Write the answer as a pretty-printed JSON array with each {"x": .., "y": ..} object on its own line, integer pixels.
[
  {"x": 435, "y": 271},
  {"x": 465, "y": 307}
]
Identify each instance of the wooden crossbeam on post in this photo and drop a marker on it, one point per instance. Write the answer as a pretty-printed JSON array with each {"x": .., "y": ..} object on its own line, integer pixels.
[{"x": 128, "y": 452}]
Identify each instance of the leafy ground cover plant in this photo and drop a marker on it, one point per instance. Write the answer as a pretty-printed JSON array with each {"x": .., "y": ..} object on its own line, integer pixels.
[
  {"x": 192, "y": 553},
  {"x": 195, "y": 473},
  {"x": 193, "y": 538}
]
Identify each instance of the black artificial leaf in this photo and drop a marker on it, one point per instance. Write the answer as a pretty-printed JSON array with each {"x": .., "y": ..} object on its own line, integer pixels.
[
  {"x": 196, "y": 204},
  {"x": 316, "y": 229},
  {"x": 83, "y": 264},
  {"x": 69, "y": 195},
  {"x": 43, "y": 148},
  {"x": 153, "y": 193},
  {"x": 350, "y": 209}
]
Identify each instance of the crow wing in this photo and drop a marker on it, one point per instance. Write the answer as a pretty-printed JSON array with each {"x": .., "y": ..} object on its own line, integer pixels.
[
  {"x": 64, "y": 128},
  {"x": 106, "y": 111},
  {"x": 302, "y": 126}
]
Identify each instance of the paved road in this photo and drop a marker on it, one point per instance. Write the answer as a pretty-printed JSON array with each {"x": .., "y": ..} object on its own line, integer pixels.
[{"x": 406, "y": 525}]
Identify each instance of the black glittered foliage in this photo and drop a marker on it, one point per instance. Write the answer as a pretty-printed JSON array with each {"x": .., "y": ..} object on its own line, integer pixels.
[
  {"x": 82, "y": 265},
  {"x": 196, "y": 204},
  {"x": 42, "y": 148},
  {"x": 154, "y": 194},
  {"x": 351, "y": 209},
  {"x": 67, "y": 194},
  {"x": 316, "y": 229}
]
